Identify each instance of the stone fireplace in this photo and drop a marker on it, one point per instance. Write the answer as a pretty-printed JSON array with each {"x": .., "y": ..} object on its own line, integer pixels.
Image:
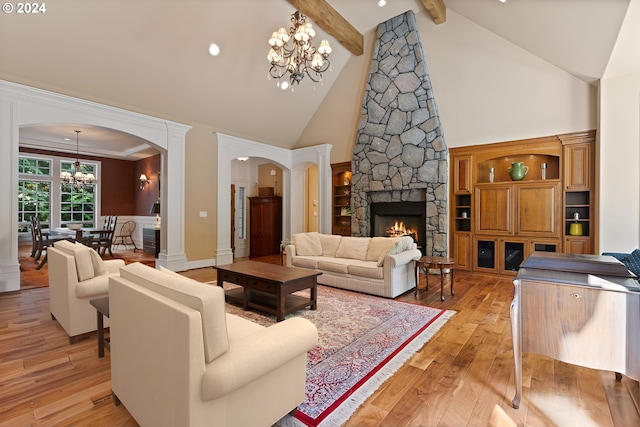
[{"x": 400, "y": 153}]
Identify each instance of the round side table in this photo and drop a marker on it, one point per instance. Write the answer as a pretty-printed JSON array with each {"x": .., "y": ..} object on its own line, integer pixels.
[{"x": 442, "y": 263}]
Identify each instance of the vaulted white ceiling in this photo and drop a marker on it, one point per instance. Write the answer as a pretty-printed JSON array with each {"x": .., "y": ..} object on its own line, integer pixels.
[{"x": 152, "y": 57}]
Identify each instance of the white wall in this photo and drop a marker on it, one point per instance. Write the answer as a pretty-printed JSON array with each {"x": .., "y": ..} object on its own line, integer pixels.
[
  {"x": 619, "y": 179},
  {"x": 620, "y": 163}
]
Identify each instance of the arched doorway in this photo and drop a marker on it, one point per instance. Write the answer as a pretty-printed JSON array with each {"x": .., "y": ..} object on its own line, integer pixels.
[{"x": 22, "y": 105}]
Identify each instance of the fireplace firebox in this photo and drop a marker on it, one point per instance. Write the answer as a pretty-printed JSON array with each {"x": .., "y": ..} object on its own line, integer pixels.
[{"x": 392, "y": 219}]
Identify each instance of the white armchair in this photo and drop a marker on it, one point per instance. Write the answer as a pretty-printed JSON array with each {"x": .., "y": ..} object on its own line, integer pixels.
[
  {"x": 178, "y": 359},
  {"x": 77, "y": 275}
]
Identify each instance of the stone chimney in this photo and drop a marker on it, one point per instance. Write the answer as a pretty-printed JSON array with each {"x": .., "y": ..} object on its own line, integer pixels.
[{"x": 400, "y": 152}]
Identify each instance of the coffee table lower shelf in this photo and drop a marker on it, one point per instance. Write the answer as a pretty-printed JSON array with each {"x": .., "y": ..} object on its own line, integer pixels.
[{"x": 267, "y": 302}]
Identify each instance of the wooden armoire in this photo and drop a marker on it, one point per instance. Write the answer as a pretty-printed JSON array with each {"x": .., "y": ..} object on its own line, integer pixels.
[{"x": 265, "y": 226}]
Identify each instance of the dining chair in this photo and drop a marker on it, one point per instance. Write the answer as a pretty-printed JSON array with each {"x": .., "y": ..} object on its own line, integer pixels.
[
  {"x": 125, "y": 235},
  {"x": 42, "y": 241},
  {"x": 104, "y": 240}
]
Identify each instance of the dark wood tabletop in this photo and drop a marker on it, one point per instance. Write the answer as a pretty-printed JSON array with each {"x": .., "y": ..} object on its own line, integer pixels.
[{"x": 273, "y": 272}]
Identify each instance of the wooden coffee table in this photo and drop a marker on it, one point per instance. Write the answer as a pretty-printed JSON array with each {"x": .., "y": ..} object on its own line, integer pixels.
[{"x": 269, "y": 287}]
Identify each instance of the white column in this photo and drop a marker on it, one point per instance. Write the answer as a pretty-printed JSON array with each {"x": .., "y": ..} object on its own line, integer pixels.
[
  {"x": 172, "y": 252},
  {"x": 9, "y": 120}
]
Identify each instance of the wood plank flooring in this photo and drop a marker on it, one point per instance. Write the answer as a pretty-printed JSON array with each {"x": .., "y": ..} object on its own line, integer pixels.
[{"x": 462, "y": 377}]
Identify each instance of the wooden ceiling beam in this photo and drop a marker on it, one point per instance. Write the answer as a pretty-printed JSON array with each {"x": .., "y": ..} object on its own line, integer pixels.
[
  {"x": 436, "y": 9},
  {"x": 327, "y": 18}
]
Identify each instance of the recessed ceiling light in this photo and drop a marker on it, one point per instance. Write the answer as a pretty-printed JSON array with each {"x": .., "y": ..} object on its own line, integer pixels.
[
  {"x": 503, "y": 1},
  {"x": 214, "y": 49},
  {"x": 382, "y": 3}
]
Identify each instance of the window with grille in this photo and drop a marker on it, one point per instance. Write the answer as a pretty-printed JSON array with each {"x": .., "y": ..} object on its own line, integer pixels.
[{"x": 41, "y": 193}]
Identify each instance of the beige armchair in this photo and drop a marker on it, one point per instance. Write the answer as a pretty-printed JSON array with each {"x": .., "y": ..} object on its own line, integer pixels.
[
  {"x": 77, "y": 275},
  {"x": 178, "y": 359}
]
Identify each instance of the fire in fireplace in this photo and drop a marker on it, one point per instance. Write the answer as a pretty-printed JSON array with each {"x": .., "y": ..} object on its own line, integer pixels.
[{"x": 393, "y": 219}]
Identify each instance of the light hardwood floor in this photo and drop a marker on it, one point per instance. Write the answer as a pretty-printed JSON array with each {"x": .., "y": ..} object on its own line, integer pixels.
[{"x": 462, "y": 377}]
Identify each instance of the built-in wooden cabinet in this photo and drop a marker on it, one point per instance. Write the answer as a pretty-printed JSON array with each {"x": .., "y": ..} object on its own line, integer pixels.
[
  {"x": 496, "y": 222},
  {"x": 579, "y": 195},
  {"x": 341, "y": 187}
]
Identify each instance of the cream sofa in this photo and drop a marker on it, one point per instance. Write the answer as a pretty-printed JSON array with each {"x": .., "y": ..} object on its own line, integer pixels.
[
  {"x": 77, "y": 275},
  {"x": 177, "y": 359},
  {"x": 374, "y": 265}
]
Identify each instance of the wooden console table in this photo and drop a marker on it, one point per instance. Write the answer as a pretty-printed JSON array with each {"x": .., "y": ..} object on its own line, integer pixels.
[{"x": 579, "y": 309}]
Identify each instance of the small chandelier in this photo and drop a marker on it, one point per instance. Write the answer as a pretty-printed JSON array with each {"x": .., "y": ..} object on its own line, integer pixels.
[
  {"x": 298, "y": 57},
  {"x": 77, "y": 179}
]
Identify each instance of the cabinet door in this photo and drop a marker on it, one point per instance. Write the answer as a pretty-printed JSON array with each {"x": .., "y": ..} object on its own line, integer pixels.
[
  {"x": 577, "y": 166},
  {"x": 562, "y": 322},
  {"x": 538, "y": 210},
  {"x": 577, "y": 245},
  {"x": 493, "y": 209},
  {"x": 511, "y": 253},
  {"x": 485, "y": 254},
  {"x": 462, "y": 174},
  {"x": 462, "y": 251}
]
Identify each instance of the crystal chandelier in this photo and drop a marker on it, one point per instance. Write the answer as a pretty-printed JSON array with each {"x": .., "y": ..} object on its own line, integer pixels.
[
  {"x": 76, "y": 178},
  {"x": 298, "y": 57}
]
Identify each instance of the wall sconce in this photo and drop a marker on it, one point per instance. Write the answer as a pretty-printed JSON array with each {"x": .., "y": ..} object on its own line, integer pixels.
[{"x": 143, "y": 181}]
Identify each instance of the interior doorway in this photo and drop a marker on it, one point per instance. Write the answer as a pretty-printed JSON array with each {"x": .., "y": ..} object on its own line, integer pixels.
[{"x": 233, "y": 219}]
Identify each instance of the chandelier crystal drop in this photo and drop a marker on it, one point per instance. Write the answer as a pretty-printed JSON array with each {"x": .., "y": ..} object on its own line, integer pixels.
[
  {"x": 292, "y": 53},
  {"x": 76, "y": 178}
]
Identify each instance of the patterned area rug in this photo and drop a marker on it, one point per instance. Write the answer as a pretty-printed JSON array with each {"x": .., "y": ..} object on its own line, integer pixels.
[{"x": 363, "y": 341}]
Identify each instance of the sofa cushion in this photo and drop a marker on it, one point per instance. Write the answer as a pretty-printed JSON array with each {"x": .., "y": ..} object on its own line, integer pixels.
[
  {"x": 96, "y": 287},
  {"x": 330, "y": 243},
  {"x": 207, "y": 299},
  {"x": 307, "y": 244},
  {"x": 82, "y": 256},
  {"x": 305, "y": 262},
  {"x": 353, "y": 248},
  {"x": 334, "y": 266},
  {"x": 367, "y": 269}
]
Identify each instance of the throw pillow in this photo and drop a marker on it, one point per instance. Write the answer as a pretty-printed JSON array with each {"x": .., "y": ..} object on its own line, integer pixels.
[
  {"x": 307, "y": 244},
  {"x": 405, "y": 243},
  {"x": 383, "y": 255},
  {"x": 633, "y": 262},
  {"x": 99, "y": 267},
  {"x": 330, "y": 243},
  {"x": 82, "y": 257},
  {"x": 378, "y": 246},
  {"x": 353, "y": 248},
  {"x": 84, "y": 263}
]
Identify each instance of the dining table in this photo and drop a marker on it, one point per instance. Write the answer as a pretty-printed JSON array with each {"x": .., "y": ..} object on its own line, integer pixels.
[
  {"x": 65, "y": 233},
  {"x": 79, "y": 234}
]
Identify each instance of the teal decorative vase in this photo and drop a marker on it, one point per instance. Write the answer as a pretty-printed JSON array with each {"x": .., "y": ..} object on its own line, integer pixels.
[{"x": 517, "y": 171}]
